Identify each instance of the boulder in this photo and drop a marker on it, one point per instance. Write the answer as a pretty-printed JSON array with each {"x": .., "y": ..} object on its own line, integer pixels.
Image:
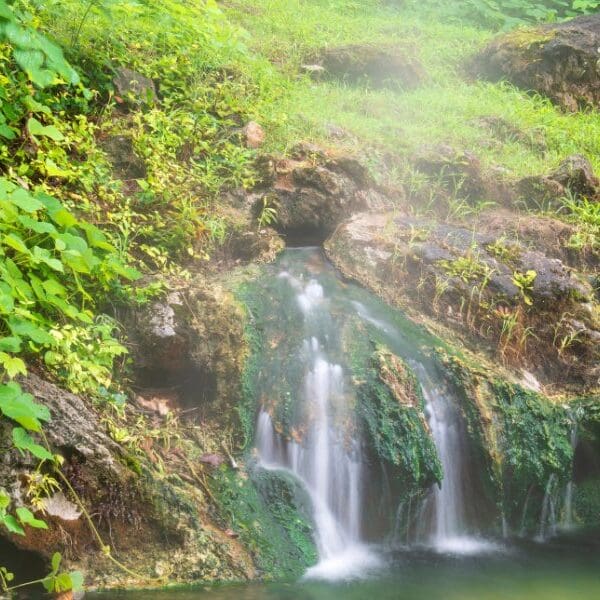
[
  {"x": 127, "y": 165},
  {"x": 189, "y": 348},
  {"x": 474, "y": 281},
  {"x": 576, "y": 174},
  {"x": 313, "y": 191},
  {"x": 559, "y": 60},
  {"x": 132, "y": 86},
  {"x": 378, "y": 66},
  {"x": 459, "y": 173},
  {"x": 254, "y": 135}
]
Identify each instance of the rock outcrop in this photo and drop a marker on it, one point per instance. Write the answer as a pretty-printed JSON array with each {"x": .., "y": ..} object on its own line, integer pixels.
[
  {"x": 560, "y": 61},
  {"x": 533, "y": 310},
  {"x": 312, "y": 192},
  {"x": 191, "y": 346},
  {"x": 378, "y": 66}
]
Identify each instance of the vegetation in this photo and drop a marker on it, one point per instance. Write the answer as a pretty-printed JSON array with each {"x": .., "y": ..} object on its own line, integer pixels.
[{"x": 108, "y": 191}]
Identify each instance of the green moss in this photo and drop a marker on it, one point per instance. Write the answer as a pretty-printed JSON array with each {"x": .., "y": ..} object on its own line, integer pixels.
[
  {"x": 587, "y": 502},
  {"x": 269, "y": 511},
  {"x": 391, "y": 407}
]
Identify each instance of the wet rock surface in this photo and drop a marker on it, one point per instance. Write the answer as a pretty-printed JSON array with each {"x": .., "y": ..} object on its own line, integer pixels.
[
  {"x": 532, "y": 309},
  {"x": 558, "y": 60},
  {"x": 375, "y": 65}
]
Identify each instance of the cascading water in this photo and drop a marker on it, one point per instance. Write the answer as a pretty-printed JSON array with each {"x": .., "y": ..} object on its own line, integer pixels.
[
  {"x": 323, "y": 448},
  {"x": 328, "y": 460}
]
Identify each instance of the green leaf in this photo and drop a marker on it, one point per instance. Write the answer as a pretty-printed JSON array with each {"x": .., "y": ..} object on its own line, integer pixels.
[
  {"x": 12, "y": 524},
  {"x": 22, "y": 328},
  {"x": 20, "y": 407},
  {"x": 10, "y": 344},
  {"x": 41, "y": 255},
  {"x": 76, "y": 580},
  {"x": 36, "y": 128},
  {"x": 37, "y": 226},
  {"x": 25, "y": 201},
  {"x": 56, "y": 560},
  {"x": 53, "y": 170},
  {"x": 7, "y": 132},
  {"x": 23, "y": 441},
  {"x": 4, "y": 499},
  {"x": 27, "y": 518},
  {"x": 14, "y": 241},
  {"x": 12, "y": 365}
]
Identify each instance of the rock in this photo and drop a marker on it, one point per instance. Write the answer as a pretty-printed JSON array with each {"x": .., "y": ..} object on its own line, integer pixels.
[
  {"x": 559, "y": 60},
  {"x": 314, "y": 191},
  {"x": 385, "y": 66},
  {"x": 573, "y": 176},
  {"x": 459, "y": 173},
  {"x": 188, "y": 350},
  {"x": 576, "y": 174},
  {"x": 78, "y": 428},
  {"x": 254, "y": 135},
  {"x": 134, "y": 87},
  {"x": 127, "y": 165},
  {"x": 473, "y": 279},
  {"x": 539, "y": 192},
  {"x": 213, "y": 460}
]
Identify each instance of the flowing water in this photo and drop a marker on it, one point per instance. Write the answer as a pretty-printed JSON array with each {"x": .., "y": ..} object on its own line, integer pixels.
[
  {"x": 329, "y": 460},
  {"x": 441, "y": 556}
]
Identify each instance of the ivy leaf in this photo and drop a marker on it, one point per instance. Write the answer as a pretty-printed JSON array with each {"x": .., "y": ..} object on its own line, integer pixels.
[
  {"x": 25, "y": 201},
  {"x": 36, "y": 128},
  {"x": 10, "y": 344},
  {"x": 41, "y": 255},
  {"x": 23, "y": 328},
  {"x": 23, "y": 441},
  {"x": 37, "y": 226},
  {"x": 12, "y": 365},
  {"x": 20, "y": 407},
  {"x": 27, "y": 518},
  {"x": 76, "y": 580}
]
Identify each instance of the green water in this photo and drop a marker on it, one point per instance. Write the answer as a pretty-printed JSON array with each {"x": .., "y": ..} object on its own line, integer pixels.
[{"x": 554, "y": 571}]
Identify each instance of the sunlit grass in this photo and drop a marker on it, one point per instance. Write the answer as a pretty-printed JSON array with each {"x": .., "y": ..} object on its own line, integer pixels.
[{"x": 447, "y": 108}]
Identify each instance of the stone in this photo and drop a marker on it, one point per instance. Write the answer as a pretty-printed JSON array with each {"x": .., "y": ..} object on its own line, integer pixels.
[
  {"x": 559, "y": 60},
  {"x": 576, "y": 174},
  {"x": 378, "y": 66},
  {"x": 314, "y": 191},
  {"x": 133, "y": 86},
  {"x": 188, "y": 350},
  {"x": 127, "y": 165},
  {"x": 465, "y": 277},
  {"x": 254, "y": 135}
]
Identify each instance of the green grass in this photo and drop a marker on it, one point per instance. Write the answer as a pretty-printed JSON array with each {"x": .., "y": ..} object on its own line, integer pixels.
[{"x": 444, "y": 109}]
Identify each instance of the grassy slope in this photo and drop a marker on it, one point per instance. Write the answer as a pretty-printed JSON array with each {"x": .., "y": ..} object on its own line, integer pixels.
[{"x": 443, "y": 110}]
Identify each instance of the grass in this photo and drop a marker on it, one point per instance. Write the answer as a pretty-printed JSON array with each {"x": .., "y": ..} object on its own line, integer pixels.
[{"x": 446, "y": 108}]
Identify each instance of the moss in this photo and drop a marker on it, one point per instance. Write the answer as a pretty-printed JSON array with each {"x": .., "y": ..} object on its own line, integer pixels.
[
  {"x": 587, "y": 502},
  {"x": 391, "y": 407},
  {"x": 269, "y": 512}
]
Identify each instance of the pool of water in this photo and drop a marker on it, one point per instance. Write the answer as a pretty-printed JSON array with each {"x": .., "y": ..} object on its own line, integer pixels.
[{"x": 559, "y": 570}]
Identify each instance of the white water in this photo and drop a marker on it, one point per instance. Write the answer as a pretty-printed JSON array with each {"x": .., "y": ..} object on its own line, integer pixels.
[
  {"x": 568, "y": 521},
  {"x": 328, "y": 460},
  {"x": 450, "y": 528}
]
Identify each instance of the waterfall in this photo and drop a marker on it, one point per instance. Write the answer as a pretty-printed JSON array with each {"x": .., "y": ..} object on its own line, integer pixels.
[
  {"x": 548, "y": 521},
  {"x": 327, "y": 461},
  {"x": 568, "y": 521}
]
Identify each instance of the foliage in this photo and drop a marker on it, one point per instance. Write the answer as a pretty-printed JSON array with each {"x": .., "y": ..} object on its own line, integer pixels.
[
  {"x": 510, "y": 13},
  {"x": 525, "y": 282}
]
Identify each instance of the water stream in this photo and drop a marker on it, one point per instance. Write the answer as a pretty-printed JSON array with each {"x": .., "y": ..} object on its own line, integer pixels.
[
  {"x": 328, "y": 459},
  {"x": 440, "y": 555}
]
